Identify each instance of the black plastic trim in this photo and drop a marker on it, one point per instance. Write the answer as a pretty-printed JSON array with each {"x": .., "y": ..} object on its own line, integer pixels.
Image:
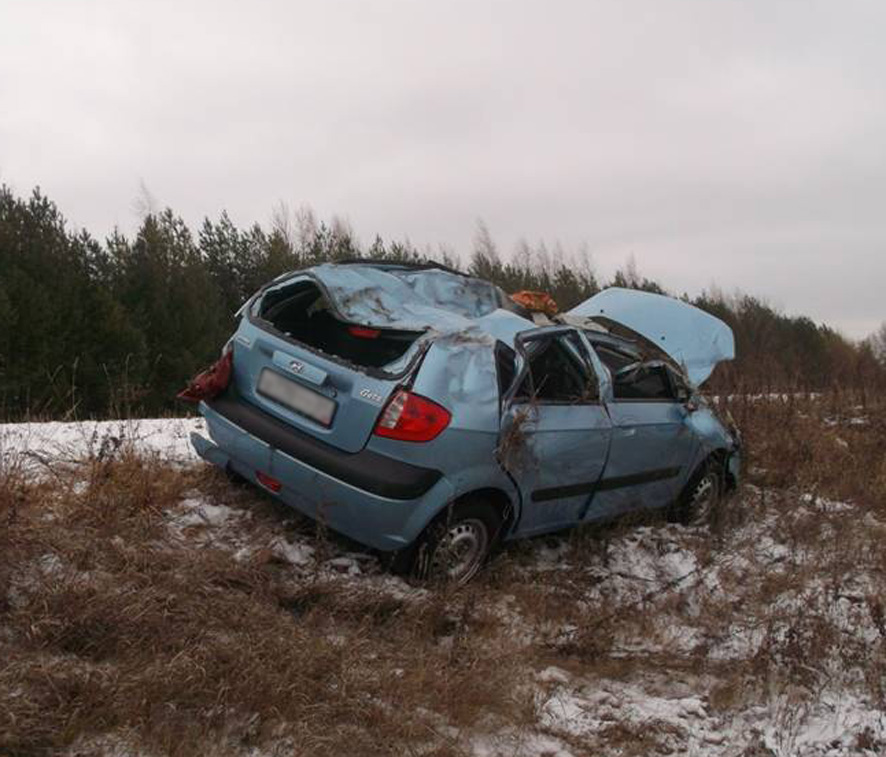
[
  {"x": 562, "y": 492},
  {"x": 366, "y": 470},
  {"x": 616, "y": 482}
]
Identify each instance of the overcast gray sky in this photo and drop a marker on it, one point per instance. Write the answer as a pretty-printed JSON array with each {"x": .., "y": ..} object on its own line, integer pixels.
[{"x": 736, "y": 143}]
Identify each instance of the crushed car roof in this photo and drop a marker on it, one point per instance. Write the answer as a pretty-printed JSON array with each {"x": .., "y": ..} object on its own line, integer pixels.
[
  {"x": 413, "y": 298},
  {"x": 434, "y": 299}
]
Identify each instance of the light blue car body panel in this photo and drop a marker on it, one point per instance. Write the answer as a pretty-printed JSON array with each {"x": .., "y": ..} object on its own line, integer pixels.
[
  {"x": 646, "y": 436},
  {"x": 564, "y": 443},
  {"x": 577, "y": 463},
  {"x": 380, "y": 522},
  {"x": 694, "y": 339}
]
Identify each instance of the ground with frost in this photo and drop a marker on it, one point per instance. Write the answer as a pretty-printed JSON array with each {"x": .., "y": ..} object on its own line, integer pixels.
[{"x": 763, "y": 636}]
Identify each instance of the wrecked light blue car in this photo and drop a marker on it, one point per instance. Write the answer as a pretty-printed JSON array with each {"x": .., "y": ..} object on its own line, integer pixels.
[{"x": 421, "y": 412}]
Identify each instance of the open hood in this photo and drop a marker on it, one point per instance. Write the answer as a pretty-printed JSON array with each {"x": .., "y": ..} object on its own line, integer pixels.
[{"x": 694, "y": 339}]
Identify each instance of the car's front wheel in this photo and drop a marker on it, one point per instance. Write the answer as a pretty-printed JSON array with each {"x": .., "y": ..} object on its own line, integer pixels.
[
  {"x": 456, "y": 545},
  {"x": 700, "y": 500}
]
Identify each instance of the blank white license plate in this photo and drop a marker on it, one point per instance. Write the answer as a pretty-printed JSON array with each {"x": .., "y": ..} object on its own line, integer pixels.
[{"x": 296, "y": 397}]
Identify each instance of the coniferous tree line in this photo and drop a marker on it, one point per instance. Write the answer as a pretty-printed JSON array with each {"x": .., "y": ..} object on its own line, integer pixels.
[{"x": 91, "y": 328}]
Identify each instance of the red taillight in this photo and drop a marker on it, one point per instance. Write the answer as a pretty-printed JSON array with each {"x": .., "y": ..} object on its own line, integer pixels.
[
  {"x": 212, "y": 382},
  {"x": 269, "y": 482},
  {"x": 363, "y": 332},
  {"x": 411, "y": 418}
]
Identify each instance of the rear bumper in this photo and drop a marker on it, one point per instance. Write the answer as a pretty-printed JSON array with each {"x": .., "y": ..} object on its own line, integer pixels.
[
  {"x": 366, "y": 470},
  {"x": 374, "y": 499}
]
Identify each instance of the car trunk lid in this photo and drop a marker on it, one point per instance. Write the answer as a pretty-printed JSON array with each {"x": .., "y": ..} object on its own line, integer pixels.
[
  {"x": 333, "y": 401},
  {"x": 297, "y": 358}
]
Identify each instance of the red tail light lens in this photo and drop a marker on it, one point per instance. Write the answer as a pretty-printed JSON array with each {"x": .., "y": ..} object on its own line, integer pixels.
[
  {"x": 269, "y": 482},
  {"x": 212, "y": 382},
  {"x": 411, "y": 418},
  {"x": 363, "y": 332}
]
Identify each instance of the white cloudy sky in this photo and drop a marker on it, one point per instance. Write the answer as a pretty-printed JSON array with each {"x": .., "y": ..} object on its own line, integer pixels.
[{"x": 718, "y": 141}]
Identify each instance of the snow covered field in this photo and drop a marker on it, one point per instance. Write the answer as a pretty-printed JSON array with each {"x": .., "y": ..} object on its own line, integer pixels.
[
  {"x": 644, "y": 638},
  {"x": 36, "y": 442}
]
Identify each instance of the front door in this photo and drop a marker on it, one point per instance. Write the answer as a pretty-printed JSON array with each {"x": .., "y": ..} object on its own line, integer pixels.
[{"x": 555, "y": 431}]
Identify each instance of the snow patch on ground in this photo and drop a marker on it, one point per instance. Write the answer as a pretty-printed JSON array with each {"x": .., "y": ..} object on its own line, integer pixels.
[
  {"x": 295, "y": 554},
  {"x": 660, "y": 566},
  {"x": 168, "y": 438}
]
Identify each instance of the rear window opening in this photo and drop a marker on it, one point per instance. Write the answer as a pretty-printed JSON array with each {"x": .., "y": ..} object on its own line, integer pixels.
[{"x": 302, "y": 313}]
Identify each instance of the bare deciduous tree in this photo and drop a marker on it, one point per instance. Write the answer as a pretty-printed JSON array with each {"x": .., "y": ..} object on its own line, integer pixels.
[
  {"x": 877, "y": 341},
  {"x": 484, "y": 245},
  {"x": 144, "y": 203}
]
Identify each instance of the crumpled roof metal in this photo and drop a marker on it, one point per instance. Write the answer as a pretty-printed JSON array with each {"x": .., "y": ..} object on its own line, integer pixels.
[
  {"x": 444, "y": 303},
  {"x": 407, "y": 299}
]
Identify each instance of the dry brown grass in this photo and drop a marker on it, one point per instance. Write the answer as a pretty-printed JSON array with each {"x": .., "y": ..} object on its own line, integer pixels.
[
  {"x": 831, "y": 444},
  {"x": 796, "y": 583},
  {"x": 109, "y": 626}
]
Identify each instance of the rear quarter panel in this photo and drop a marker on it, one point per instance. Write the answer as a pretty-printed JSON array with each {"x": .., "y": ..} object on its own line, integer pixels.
[{"x": 459, "y": 374}]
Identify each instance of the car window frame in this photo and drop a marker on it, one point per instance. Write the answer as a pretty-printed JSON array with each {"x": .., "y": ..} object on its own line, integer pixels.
[
  {"x": 536, "y": 335},
  {"x": 669, "y": 381}
]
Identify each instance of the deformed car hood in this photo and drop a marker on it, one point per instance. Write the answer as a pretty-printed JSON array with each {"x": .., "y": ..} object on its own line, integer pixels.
[{"x": 693, "y": 338}]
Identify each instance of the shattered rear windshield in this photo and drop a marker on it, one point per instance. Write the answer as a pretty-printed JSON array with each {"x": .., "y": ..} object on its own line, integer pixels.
[{"x": 301, "y": 312}]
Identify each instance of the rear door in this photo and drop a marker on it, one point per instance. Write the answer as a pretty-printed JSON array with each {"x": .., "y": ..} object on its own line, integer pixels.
[
  {"x": 555, "y": 432},
  {"x": 307, "y": 389}
]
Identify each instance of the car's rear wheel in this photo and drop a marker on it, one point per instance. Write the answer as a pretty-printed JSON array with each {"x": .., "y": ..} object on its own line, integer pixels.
[
  {"x": 456, "y": 545},
  {"x": 234, "y": 477}
]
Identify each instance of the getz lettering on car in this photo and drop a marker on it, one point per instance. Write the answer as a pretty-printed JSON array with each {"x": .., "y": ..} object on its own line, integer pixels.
[{"x": 370, "y": 396}]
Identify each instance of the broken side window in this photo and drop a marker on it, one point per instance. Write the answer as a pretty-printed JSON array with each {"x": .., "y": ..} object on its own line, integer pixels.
[
  {"x": 614, "y": 359},
  {"x": 558, "y": 372},
  {"x": 506, "y": 367},
  {"x": 643, "y": 381}
]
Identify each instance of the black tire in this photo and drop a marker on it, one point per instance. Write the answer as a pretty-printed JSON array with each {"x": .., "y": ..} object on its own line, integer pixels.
[
  {"x": 234, "y": 477},
  {"x": 699, "y": 502},
  {"x": 454, "y": 547}
]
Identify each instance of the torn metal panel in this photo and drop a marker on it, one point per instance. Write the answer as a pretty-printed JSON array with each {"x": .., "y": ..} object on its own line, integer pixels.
[
  {"x": 433, "y": 304},
  {"x": 406, "y": 299}
]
